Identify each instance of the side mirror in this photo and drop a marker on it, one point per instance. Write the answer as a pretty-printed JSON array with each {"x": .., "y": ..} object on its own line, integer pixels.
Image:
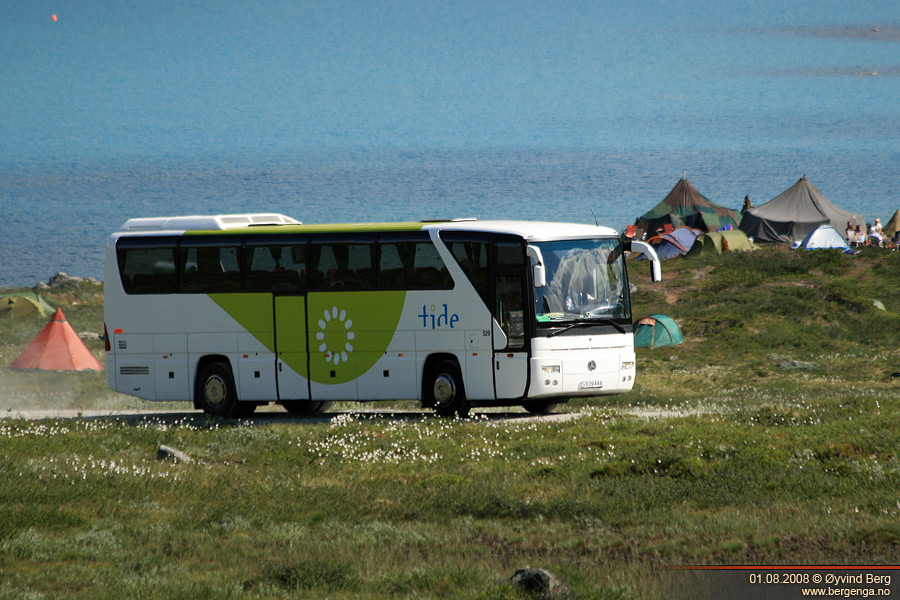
[
  {"x": 540, "y": 276},
  {"x": 539, "y": 272},
  {"x": 648, "y": 251}
]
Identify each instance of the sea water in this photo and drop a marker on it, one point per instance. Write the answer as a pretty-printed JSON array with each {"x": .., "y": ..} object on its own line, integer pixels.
[{"x": 402, "y": 110}]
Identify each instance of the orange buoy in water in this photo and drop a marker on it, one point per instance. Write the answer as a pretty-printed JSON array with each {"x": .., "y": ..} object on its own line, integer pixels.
[{"x": 53, "y": 18}]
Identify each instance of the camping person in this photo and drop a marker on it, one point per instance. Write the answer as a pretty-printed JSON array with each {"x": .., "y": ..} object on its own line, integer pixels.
[
  {"x": 875, "y": 237},
  {"x": 876, "y": 227},
  {"x": 860, "y": 236},
  {"x": 850, "y": 233},
  {"x": 747, "y": 204}
]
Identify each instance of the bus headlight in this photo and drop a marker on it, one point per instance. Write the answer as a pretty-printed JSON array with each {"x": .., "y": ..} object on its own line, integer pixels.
[
  {"x": 627, "y": 365},
  {"x": 551, "y": 372}
]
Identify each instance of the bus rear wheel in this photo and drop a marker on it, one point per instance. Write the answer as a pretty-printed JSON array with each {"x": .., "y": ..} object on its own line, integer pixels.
[
  {"x": 217, "y": 394},
  {"x": 444, "y": 390}
]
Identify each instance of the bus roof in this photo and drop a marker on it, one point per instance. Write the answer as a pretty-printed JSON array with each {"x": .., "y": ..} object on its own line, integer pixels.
[
  {"x": 530, "y": 230},
  {"x": 277, "y": 223},
  {"x": 206, "y": 222}
]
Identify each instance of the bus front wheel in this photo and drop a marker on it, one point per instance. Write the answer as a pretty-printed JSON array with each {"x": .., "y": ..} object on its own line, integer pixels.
[
  {"x": 217, "y": 393},
  {"x": 444, "y": 390},
  {"x": 540, "y": 408}
]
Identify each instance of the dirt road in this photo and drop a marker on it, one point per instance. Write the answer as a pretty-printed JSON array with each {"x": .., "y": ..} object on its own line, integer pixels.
[{"x": 264, "y": 416}]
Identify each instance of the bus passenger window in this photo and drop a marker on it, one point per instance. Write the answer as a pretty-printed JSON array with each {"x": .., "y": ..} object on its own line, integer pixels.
[
  {"x": 276, "y": 268},
  {"x": 432, "y": 273},
  {"x": 412, "y": 265},
  {"x": 339, "y": 266},
  {"x": 472, "y": 257},
  {"x": 359, "y": 263},
  {"x": 209, "y": 269},
  {"x": 322, "y": 266},
  {"x": 393, "y": 260},
  {"x": 147, "y": 270}
]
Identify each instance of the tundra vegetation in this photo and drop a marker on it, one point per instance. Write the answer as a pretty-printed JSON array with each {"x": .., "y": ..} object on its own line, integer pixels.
[{"x": 768, "y": 437}]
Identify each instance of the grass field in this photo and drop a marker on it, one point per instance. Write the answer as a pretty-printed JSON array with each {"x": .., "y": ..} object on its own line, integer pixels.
[{"x": 768, "y": 437}]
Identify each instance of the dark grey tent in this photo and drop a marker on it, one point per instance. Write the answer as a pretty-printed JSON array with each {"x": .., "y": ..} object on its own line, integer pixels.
[{"x": 794, "y": 214}]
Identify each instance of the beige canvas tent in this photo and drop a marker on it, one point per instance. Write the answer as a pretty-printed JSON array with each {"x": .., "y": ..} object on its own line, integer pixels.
[{"x": 892, "y": 226}]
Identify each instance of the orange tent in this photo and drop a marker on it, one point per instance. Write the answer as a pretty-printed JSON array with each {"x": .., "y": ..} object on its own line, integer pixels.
[{"x": 57, "y": 348}]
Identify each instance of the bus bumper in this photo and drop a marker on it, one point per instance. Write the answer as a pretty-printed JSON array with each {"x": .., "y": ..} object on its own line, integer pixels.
[{"x": 584, "y": 373}]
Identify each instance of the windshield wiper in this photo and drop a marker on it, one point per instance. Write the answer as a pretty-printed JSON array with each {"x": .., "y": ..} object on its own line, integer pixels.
[{"x": 585, "y": 322}]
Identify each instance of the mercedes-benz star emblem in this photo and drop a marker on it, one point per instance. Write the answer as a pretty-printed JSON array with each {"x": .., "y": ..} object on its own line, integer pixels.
[{"x": 592, "y": 365}]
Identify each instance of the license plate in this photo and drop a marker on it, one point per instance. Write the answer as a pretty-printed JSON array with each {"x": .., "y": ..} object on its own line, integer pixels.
[{"x": 587, "y": 385}]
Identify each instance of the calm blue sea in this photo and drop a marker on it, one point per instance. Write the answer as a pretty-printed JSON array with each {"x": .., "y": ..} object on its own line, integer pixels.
[{"x": 365, "y": 110}]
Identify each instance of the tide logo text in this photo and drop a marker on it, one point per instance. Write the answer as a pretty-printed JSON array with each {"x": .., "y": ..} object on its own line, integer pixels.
[{"x": 435, "y": 320}]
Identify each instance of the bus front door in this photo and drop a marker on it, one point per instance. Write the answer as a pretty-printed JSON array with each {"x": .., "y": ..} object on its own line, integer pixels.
[{"x": 510, "y": 339}]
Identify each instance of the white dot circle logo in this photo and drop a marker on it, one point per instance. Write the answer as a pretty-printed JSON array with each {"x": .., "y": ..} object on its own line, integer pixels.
[{"x": 335, "y": 335}]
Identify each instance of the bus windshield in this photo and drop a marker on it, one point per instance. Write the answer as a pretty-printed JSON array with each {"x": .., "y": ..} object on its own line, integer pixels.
[{"x": 586, "y": 282}]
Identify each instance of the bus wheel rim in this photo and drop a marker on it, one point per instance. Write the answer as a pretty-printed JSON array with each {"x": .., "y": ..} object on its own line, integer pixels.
[
  {"x": 444, "y": 390},
  {"x": 214, "y": 391}
]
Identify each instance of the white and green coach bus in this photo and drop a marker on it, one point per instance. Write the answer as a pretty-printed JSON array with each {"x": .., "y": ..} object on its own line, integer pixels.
[{"x": 235, "y": 311}]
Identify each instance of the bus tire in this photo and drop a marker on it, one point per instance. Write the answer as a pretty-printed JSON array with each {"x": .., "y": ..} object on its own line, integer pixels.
[
  {"x": 217, "y": 394},
  {"x": 444, "y": 390},
  {"x": 304, "y": 407},
  {"x": 540, "y": 408}
]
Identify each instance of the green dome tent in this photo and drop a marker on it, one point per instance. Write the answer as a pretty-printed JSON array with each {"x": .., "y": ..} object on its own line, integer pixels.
[
  {"x": 657, "y": 330},
  {"x": 22, "y": 304},
  {"x": 716, "y": 242}
]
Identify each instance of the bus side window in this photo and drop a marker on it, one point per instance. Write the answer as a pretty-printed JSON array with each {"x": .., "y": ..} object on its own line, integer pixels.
[
  {"x": 322, "y": 266},
  {"x": 209, "y": 269},
  {"x": 412, "y": 265},
  {"x": 342, "y": 266},
  {"x": 360, "y": 264},
  {"x": 472, "y": 257},
  {"x": 393, "y": 260},
  {"x": 275, "y": 268},
  {"x": 432, "y": 273},
  {"x": 147, "y": 270}
]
